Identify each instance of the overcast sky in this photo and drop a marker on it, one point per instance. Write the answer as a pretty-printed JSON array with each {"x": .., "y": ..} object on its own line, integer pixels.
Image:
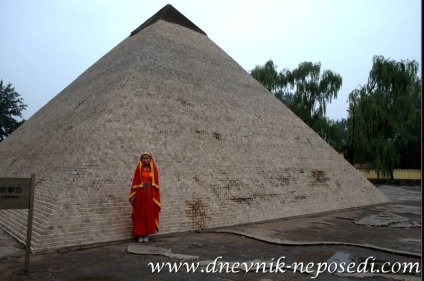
[{"x": 46, "y": 44}]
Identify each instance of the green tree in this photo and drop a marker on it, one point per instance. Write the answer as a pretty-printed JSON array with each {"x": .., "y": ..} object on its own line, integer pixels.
[
  {"x": 311, "y": 91},
  {"x": 340, "y": 135},
  {"x": 269, "y": 77},
  {"x": 384, "y": 117},
  {"x": 308, "y": 100},
  {"x": 11, "y": 106},
  {"x": 352, "y": 124},
  {"x": 331, "y": 131}
]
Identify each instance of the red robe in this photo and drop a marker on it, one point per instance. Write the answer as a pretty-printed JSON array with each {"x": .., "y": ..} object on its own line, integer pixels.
[{"x": 145, "y": 200}]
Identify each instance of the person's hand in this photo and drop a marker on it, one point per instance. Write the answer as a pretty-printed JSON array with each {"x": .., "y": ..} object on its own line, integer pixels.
[{"x": 132, "y": 200}]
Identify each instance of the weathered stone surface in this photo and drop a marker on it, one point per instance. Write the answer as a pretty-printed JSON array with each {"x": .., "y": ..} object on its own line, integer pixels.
[
  {"x": 228, "y": 152},
  {"x": 142, "y": 249},
  {"x": 388, "y": 219}
]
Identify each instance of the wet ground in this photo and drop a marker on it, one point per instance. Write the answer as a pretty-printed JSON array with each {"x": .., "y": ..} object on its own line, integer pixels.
[{"x": 387, "y": 235}]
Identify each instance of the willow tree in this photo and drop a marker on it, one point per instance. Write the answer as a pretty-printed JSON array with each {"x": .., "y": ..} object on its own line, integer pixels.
[
  {"x": 387, "y": 115},
  {"x": 352, "y": 124},
  {"x": 311, "y": 91},
  {"x": 269, "y": 77},
  {"x": 308, "y": 100}
]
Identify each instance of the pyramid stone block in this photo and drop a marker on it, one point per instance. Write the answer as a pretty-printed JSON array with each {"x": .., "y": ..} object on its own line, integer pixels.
[{"x": 228, "y": 152}]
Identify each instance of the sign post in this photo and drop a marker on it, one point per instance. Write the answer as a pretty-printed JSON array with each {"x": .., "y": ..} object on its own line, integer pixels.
[{"x": 18, "y": 193}]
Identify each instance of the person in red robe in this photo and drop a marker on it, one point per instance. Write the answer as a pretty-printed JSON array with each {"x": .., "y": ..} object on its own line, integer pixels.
[{"x": 145, "y": 198}]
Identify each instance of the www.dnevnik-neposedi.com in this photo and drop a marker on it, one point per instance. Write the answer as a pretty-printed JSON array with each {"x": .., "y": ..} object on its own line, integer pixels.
[{"x": 279, "y": 266}]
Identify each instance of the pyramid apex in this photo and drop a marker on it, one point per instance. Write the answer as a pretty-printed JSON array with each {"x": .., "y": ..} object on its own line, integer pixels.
[{"x": 169, "y": 14}]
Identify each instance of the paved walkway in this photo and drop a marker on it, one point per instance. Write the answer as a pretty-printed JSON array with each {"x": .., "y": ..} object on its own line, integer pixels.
[{"x": 387, "y": 233}]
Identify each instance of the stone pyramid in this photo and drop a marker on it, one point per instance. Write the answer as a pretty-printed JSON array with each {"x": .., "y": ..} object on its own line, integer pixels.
[{"x": 228, "y": 152}]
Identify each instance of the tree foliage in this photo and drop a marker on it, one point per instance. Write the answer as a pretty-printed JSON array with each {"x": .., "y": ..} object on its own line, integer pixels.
[
  {"x": 11, "y": 106},
  {"x": 352, "y": 124},
  {"x": 384, "y": 124},
  {"x": 269, "y": 77},
  {"x": 305, "y": 91},
  {"x": 311, "y": 91},
  {"x": 332, "y": 132}
]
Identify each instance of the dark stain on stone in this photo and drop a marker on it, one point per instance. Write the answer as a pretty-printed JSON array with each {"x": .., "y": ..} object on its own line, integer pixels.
[
  {"x": 318, "y": 177},
  {"x": 78, "y": 105},
  {"x": 197, "y": 212},
  {"x": 184, "y": 102},
  {"x": 242, "y": 200},
  {"x": 300, "y": 197},
  {"x": 248, "y": 200},
  {"x": 217, "y": 135}
]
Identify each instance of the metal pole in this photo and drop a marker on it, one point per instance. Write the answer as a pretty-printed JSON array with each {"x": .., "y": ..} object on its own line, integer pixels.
[{"x": 29, "y": 228}]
